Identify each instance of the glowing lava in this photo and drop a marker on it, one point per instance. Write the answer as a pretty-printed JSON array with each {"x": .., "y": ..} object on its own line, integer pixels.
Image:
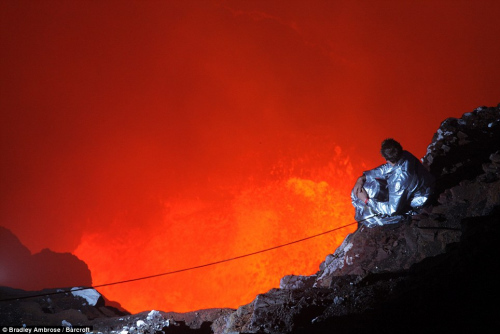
[{"x": 196, "y": 232}]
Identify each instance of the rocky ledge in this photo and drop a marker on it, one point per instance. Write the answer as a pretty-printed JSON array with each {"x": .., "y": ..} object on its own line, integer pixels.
[{"x": 435, "y": 272}]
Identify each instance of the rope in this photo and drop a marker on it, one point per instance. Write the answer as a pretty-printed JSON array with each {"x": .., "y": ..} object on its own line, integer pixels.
[{"x": 180, "y": 270}]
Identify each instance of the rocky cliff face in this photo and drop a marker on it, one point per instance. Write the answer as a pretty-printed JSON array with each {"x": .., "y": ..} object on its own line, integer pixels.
[{"x": 435, "y": 272}]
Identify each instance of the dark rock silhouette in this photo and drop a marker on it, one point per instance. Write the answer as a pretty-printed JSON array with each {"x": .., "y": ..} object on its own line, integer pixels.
[
  {"x": 435, "y": 272},
  {"x": 47, "y": 269},
  {"x": 50, "y": 307}
]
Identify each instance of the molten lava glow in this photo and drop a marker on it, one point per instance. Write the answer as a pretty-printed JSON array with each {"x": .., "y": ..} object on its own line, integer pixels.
[{"x": 193, "y": 233}]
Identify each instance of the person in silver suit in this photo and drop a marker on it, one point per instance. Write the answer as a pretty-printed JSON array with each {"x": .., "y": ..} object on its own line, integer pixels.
[{"x": 389, "y": 193}]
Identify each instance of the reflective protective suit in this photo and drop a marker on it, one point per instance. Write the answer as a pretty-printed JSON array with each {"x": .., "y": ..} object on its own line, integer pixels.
[{"x": 394, "y": 191}]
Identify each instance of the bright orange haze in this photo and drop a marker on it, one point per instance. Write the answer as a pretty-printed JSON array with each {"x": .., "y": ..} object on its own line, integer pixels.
[{"x": 146, "y": 137}]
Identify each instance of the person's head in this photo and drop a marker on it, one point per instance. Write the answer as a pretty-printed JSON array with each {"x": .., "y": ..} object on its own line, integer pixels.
[{"x": 391, "y": 150}]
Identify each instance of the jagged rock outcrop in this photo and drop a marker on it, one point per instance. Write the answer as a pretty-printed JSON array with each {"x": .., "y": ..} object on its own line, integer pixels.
[
  {"x": 161, "y": 322},
  {"x": 382, "y": 279},
  {"x": 461, "y": 146},
  {"x": 50, "y": 307},
  {"x": 88, "y": 308}
]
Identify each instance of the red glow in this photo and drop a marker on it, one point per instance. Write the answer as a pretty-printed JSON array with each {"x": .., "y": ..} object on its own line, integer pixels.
[
  {"x": 152, "y": 136},
  {"x": 197, "y": 239},
  {"x": 193, "y": 233}
]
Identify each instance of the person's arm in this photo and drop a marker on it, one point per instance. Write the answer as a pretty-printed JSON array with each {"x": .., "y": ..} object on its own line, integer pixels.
[
  {"x": 358, "y": 186},
  {"x": 379, "y": 172},
  {"x": 358, "y": 189},
  {"x": 397, "y": 197}
]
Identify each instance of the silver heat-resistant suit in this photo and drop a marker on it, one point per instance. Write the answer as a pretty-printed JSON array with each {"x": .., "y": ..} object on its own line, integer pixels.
[{"x": 394, "y": 191}]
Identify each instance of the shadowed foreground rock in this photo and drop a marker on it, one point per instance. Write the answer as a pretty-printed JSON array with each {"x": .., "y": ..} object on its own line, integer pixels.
[
  {"x": 54, "y": 307},
  {"x": 51, "y": 306},
  {"x": 435, "y": 272}
]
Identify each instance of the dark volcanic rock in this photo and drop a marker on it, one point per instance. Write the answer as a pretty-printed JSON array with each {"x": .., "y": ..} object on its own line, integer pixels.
[
  {"x": 158, "y": 322},
  {"x": 456, "y": 291},
  {"x": 461, "y": 146},
  {"x": 75, "y": 307},
  {"x": 387, "y": 248},
  {"x": 50, "y": 307}
]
